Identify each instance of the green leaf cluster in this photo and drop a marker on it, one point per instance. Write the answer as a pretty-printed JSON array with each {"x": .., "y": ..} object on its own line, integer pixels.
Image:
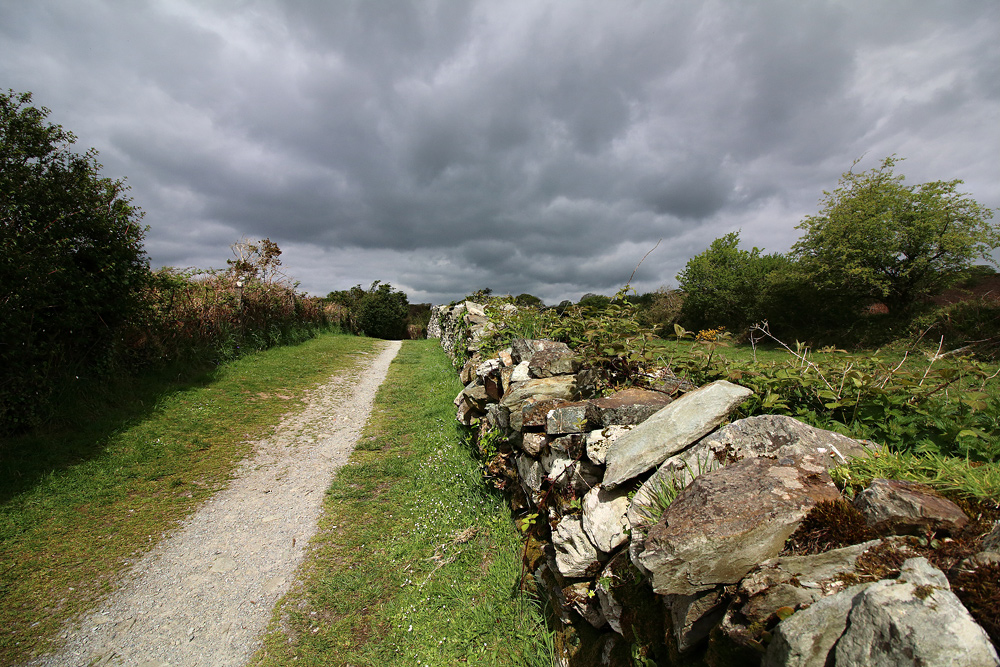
[{"x": 930, "y": 405}]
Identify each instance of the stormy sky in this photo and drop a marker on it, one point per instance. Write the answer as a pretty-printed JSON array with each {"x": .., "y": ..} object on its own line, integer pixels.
[{"x": 539, "y": 146}]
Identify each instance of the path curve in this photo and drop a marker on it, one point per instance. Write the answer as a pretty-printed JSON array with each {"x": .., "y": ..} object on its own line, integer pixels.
[{"x": 205, "y": 594}]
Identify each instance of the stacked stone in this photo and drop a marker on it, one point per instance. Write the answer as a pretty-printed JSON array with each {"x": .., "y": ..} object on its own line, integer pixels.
[{"x": 705, "y": 576}]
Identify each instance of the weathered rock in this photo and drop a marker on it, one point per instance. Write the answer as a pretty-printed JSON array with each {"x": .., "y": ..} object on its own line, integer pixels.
[
  {"x": 488, "y": 367},
  {"x": 576, "y": 555},
  {"x": 571, "y": 445},
  {"x": 806, "y": 638},
  {"x": 531, "y": 473},
  {"x": 475, "y": 396},
  {"x": 604, "y": 518},
  {"x": 671, "y": 429},
  {"x": 636, "y": 545},
  {"x": 498, "y": 417},
  {"x": 553, "y": 361},
  {"x": 523, "y": 349},
  {"x": 563, "y": 386},
  {"x": 795, "y": 581},
  {"x": 535, "y": 411},
  {"x": 906, "y": 508},
  {"x": 627, "y": 407},
  {"x": 694, "y": 616},
  {"x": 766, "y": 435},
  {"x": 599, "y": 441},
  {"x": 467, "y": 415},
  {"x": 468, "y": 372},
  {"x": 991, "y": 540},
  {"x": 569, "y": 418},
  {"x": 569, "y": 473},
  {"x": 728, "y": 521},
  {"x": 913, "y": 620},
  {"x": 520, "y": 372},
  {"x": 581, "y": 599},
  {"x": 611, "y": 606},
  {"x": 535, "y": 443}
]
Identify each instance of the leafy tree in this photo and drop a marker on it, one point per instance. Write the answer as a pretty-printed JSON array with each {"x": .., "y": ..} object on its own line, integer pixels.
[
  {"x": 595, "y": 301},
  {"x": 879, "y": 239},
  {"x": 380, "y": 311},
  {"x": 526, "y": 299},
  {"x": 72, "y": 263},
  {"x": 726, "y": 286}
]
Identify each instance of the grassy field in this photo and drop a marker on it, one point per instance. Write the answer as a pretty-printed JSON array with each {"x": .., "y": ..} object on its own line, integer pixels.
[
  {"x": 122, "y": 465},
  {"x": 416, "y": 562}
]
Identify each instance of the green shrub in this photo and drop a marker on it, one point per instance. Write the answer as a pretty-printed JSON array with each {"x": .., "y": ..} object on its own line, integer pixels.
[
  {"x": 73, "y": 267},
  {"x": 380, "y": 311}
]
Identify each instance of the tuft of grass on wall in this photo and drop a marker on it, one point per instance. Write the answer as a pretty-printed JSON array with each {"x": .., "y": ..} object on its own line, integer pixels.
[
  {"x": 416, "y": 561},
  {"x": 122, "y": 464}
]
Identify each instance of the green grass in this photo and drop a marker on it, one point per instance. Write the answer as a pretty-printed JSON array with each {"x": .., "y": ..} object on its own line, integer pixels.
[
  {"x": 123, "y": 464},
  {"x": 416, "y": 561},
  {"x": 946, "y": 474}
]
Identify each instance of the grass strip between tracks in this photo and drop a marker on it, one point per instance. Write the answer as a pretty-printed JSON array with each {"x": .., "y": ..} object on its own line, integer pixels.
[{"x": 416, "y": 560}]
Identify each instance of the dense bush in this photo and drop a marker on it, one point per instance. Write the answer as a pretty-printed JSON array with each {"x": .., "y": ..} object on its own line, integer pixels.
[
  {"x": 214, "y": 315},
  {"x": 72, "y": 266},
  {"x": 380, "y": 311},
  {"x": 726, "y": 286}
]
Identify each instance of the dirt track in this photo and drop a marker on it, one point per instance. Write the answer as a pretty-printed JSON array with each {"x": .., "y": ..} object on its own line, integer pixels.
[{"x": 205, "y": 594}]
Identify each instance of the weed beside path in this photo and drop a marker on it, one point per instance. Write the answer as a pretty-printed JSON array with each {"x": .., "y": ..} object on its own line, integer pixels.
[
  {"x": 416, "y": 561},
  {"x": 87, "y": 498}
]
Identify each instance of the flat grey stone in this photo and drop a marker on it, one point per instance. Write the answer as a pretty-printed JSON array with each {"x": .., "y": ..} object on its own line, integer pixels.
[{"x": 671, "y": 429}]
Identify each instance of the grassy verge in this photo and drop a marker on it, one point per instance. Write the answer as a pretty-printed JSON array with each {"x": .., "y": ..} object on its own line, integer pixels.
[
  {"x": 124, "y": 464},
  {"x": 416, "y": 562}
]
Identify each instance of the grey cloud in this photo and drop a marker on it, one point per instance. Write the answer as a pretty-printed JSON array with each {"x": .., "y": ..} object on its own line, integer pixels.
[{"x": 528, "y": 146}]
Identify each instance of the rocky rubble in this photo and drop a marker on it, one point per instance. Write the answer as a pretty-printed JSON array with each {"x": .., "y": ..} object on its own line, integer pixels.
[{"x": 659, "y": 529}]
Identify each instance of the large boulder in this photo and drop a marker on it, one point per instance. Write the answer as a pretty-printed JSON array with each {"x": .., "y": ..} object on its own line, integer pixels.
[
  {"x": 914, "y": 620},
  {"x": 671, "y": 429},
  {"x": 896, "y": 507},
  {"x": 766, "y": 435},
  {"x": 726, "y": 522}
]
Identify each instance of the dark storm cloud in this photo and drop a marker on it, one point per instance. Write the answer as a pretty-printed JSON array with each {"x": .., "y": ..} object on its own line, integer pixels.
[{"x": 539, "y": 147}]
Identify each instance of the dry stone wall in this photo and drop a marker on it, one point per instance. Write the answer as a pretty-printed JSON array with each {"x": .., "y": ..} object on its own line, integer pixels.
[{"x": 656, "y": 530}]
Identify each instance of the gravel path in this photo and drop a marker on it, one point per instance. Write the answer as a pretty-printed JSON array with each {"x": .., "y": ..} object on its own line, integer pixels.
[{"x": 204, "y": 595}]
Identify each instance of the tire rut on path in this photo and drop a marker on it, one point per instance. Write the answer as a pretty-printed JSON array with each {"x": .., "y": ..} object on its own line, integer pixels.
[{"x": 205, "y": 593}]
